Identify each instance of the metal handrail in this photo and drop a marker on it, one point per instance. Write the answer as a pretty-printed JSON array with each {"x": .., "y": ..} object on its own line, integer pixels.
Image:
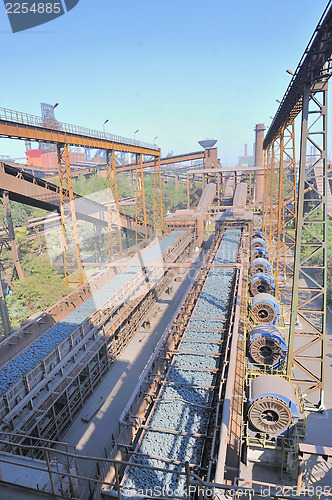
[
  {"x": 306, "y": 71},
  {"x": 13, "y": 116},
  {"x": 193, "y": 481}
]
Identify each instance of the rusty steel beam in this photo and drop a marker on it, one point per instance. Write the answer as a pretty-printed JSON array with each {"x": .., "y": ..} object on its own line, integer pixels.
[
  {"x": 158, "y": 215},
  {"x": 11, "y": 234},
  {"x": 221, "y": 170},
  {"x": 310, "y": 69},
  {"x": 69, "y": 234},
  {"x": 140, "y": 215},
  {"x": 17, "y": 125},
  {"x": 113, "y": 211},
  {"x": 94, "y": 168},
  {"x": 33, "y": 191},
  {"x": 182, "y": 265},
  {"x": 199, "y": 155}
]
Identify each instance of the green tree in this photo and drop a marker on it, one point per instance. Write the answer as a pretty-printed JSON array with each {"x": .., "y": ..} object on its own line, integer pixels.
[{"x": 38, "y": 290}]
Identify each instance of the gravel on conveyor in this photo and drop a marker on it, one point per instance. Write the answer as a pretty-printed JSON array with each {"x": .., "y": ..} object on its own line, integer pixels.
[
  {"x": 197, "y": 395},
  {"x": 181, "y": 406},
  {"x": 196, "y": 360},
  {"x": 189, "y": 376},
  {"x": 30, "y": 357},
  {"x": 191, "y": 345},
  {"x": 192, "y": 333}
]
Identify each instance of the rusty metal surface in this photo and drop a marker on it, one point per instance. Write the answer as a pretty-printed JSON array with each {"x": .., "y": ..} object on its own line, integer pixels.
[
  {"x": 240, "y": 196},
  {"x": 91, "y": 349},
  {"x": 207, "y": 196},
  {"x": 166, "y": 161},
  {"x": 310, "y": 67},
  {"x": 18, "y": 125},
  {"x": 31, "y": 190},
  {"x": 200, "y": 171},
  {"x": 28, "y": 333}
]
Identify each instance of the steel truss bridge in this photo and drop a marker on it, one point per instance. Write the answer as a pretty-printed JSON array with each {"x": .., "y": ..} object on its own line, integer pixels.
[
  {"x": 17, "y": 125},
  {"x": 296, "y": 209}
]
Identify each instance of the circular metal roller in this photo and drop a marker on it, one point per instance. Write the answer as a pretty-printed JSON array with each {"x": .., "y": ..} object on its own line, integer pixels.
[
  {"x": 273, "y": 404},
  {"x": 267, "y": 345},
  {"x": 258, "y": 234},
  {"x": 265, "y": 308},
  {"x": 261, "y": 283},
  {"x": 257, "y": 243},
  {"x": 260, "y": 266},
  {"x": 259, "y": 253}
]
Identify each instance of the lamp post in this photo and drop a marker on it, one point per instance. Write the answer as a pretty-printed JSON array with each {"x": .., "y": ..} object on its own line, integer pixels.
[
  {"x": 155, "y": 139},
  {"x": 289, "y": 72},
  {"x": 135, "y": 134},
  {"x": 106, "y": 121},
  {"x": 55, "y": 105}
]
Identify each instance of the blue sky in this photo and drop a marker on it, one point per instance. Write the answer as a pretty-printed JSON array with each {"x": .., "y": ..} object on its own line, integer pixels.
[{"x": 180, "y": 70}]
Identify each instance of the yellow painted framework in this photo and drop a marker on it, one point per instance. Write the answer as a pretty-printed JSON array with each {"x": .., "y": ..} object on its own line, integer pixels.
[
  {"x": 279, "y": 211},
  {"x": 285, "y": 227},
  {"x": 69, "y": 234},
  {"x": 140, "y": 214},
  {"x": 266, "y": 204},
  {"x": 273, "y": 199},
  {"x": 288, "y": 218},
  {"x": 26, "y": 127},
  {"x": 157, "y": 197},
  {"x": 113, "y": 209},
  {"x": 40, "y": 134}
]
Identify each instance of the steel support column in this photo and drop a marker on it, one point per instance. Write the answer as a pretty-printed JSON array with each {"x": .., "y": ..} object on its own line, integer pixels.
[
  {"x": 140, "y": 215},
  {"x": 192, "y": 192},
  {"x": 219, "y": 189},
  {"x": 288, "y": 202},
  {"x": 266, "y": 200},
  {"x": 157, "y": 197},
  {"x": 4, "y": 313},
  {"x": 306, "y": 349},
  {"x": 114, "y": 236},
  {"x": 279, "y": 213},
  {"x": 69, "y": 234},
  {"x": 9, "y": 228},
  {"x": 273, "y": 199}
]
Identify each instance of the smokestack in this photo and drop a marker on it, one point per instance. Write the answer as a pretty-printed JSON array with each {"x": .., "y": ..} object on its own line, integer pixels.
[
  {"x": 246, "y": 150},
  {"x": 259, "y": 161}
]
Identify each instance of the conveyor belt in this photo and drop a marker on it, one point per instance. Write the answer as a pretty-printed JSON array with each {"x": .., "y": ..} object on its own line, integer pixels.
[
  {"x": 176, "y": 429},
  {"x": 31, "y": 356}
]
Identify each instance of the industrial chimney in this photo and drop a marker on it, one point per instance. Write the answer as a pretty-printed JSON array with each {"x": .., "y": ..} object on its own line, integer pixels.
[{"x": 259, "y": 162}]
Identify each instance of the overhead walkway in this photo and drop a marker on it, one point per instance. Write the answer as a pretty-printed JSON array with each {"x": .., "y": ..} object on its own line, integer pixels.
[{"x": 33, "y": 191}]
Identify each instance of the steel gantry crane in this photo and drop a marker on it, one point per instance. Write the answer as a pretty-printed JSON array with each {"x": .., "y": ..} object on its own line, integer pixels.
[
  {"x": 295, "y": 211},
  {"x": 17, "y": 125}
]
